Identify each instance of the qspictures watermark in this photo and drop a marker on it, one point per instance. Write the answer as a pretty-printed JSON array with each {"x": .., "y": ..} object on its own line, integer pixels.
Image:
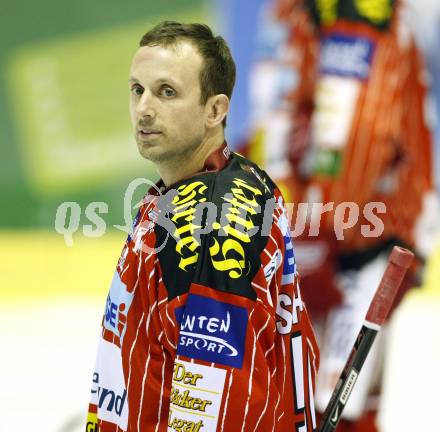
[
  {"x": 68, "y": 214},
  {"x": 204, "y": 215}
]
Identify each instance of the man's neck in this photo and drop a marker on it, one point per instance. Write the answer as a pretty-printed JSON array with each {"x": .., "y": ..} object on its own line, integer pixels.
[{"x": 191, "y": 163}]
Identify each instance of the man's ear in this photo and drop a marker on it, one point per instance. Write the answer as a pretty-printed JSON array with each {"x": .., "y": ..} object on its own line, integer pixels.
[{"x": 217, "y": 108}]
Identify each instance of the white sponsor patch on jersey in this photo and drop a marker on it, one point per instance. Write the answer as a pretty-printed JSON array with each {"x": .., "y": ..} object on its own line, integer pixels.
[
  {"x": 196, "y": 396},
  {"x": 283, "y": 222},
  {"x": 272, "y": 266},
  {"x": 118, "y": 303},
  {"x": 336, "y": 99},
  {"x": 108, "y": 389}
]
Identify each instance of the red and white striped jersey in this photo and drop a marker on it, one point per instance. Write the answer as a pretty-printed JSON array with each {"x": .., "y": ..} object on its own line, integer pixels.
[
  {"x": 204, "y": 328},
  {"x": 351, "y": 121}
]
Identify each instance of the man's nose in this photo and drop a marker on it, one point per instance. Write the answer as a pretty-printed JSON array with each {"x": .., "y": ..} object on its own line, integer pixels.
[{"x": 145, "y": 106}]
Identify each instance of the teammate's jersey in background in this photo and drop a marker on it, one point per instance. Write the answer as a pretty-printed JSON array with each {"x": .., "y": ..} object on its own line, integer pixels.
[
  {"x": 207, "y": 332},
  {"x": 357, "y": 105},
  {"x": 370, "y": 140}
]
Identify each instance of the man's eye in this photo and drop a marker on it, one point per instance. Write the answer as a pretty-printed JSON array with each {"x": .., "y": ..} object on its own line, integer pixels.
[
  {"x": 137, "y": 90},
  {"x": 167, "y": 91}
]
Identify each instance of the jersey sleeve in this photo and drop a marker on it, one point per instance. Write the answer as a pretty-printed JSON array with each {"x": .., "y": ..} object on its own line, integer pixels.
[
  {"x": 246, "y": 356},
  {"x": 294, "y": 330}
]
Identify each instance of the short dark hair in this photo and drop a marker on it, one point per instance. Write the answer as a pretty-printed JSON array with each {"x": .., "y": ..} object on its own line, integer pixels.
[{"x": 217, "y": 75}]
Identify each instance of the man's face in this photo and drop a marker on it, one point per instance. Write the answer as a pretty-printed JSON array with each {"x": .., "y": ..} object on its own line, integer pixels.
[{"x": 167, "y": 116}]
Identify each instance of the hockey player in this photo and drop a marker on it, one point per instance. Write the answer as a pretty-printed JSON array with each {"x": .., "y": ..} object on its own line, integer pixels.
[
  {"x": 204, "y": 328},
  {"x": 344, "y": 126}
]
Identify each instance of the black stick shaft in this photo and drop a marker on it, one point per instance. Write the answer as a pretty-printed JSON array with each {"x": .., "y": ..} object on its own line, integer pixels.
[
  {"x": 348, "y": 377},
  {"x": 399, "y": 261}
]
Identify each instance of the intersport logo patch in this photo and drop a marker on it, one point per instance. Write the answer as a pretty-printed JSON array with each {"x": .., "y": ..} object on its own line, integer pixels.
[{"x": 212, "y": 331}]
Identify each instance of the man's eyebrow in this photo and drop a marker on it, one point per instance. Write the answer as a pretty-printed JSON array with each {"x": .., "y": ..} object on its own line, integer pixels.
[
  {"x": 158, "y": 81},
  {"x": 166, "y": 80}
]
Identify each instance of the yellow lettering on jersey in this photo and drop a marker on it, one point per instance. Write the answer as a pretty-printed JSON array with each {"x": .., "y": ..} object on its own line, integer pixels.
[
  {"x": 242, "y": 184},
  {"x": 247, "y": 224},
  {"x": 228, "y": 263},
  {"x": 189, "y": 242},
  {"x": 92, "y": 422},
  {"x": 241, "y": 205},
  {"x": 225, "y": 258},
  {"x": 189, "y": 192},
  {"x": 377, "y": 11},
  {"x": 185, "y": 203},
  {"x": 327, "y": 10},
  {"x": 181, "y": 425},
  {"x": 187, "y": 215},
  {"x": 180, "y": 374},
  {"x": 185, "y": 400}
]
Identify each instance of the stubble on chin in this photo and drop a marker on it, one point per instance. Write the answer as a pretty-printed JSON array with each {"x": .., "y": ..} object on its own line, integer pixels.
[
  {"x": 177, "y": 156},
  {"x": 148, "y": 151}
]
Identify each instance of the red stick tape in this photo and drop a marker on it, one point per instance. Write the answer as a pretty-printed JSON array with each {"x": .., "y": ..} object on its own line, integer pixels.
[{"x": 399, "y": 261}]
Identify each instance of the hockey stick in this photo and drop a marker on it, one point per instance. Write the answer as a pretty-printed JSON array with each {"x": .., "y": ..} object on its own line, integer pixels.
[{"x": 399, "y": 261}]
